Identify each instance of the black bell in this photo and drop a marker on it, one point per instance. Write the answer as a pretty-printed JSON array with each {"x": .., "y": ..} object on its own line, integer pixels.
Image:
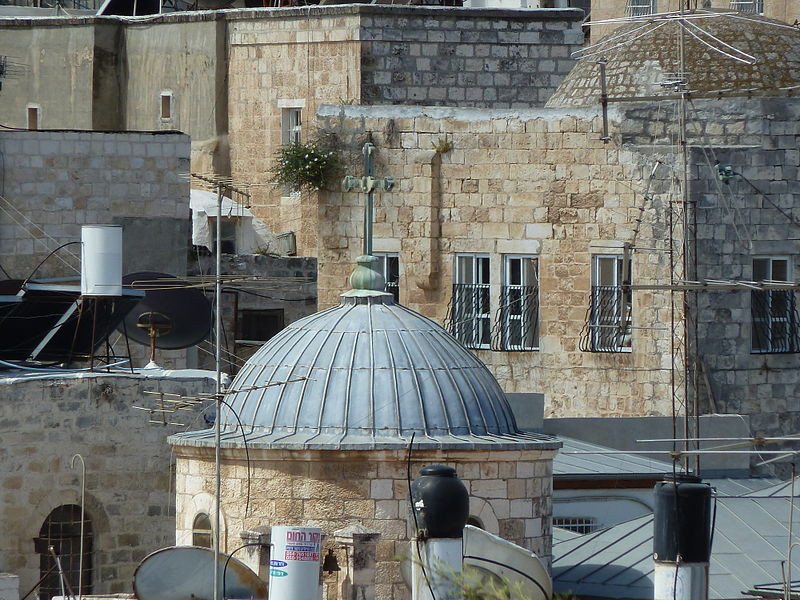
[{"x": 329, "y": 563}]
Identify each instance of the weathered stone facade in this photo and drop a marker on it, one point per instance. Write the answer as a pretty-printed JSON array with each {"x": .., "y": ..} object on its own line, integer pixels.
[
  {"x": 44, "y": 420},
  {"x": 225, "y": 77},
  {"x": 537, "y": 183},
  {"x": 54, "y": 182},
  {"x": 510, "y": 493}
]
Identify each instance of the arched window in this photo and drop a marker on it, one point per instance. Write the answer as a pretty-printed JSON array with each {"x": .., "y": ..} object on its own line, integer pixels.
[
  {"x": 201, "y": 531},
  {"x": 475, "y": 522},
  {"x": 62, "y": 531}
]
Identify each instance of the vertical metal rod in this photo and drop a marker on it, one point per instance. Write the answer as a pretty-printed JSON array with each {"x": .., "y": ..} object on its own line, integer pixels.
[
  {"x": 218, "y": 388},
  {"x": 604, "y": 99},
  {"x": 788, "y": 588},
  {"x": 367, "y": 151},
  {"x": 83, "y": 520}
]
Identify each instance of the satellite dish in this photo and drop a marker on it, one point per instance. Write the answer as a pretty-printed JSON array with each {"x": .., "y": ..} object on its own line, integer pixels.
[
  {"x": 171, "y": 315},
  {"x": 187, "y": 573}
]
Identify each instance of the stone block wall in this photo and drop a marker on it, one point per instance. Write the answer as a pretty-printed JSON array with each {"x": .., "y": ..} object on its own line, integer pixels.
[
  {"x": 478, "y": 58},
  {"x": 54, "y": 182},
  {"x": 538, "y": 183},
  {"x": 737, "y": 222},
  {"x": 510, "y": 492},
  {"x": 129, "y": 467}
]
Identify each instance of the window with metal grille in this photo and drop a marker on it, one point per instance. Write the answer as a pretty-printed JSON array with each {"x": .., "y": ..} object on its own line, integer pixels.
[
  {"x": 608, "y": 327},
  {"x": 258, "y": 326},
  {"x": 576, "y": 524},
  {"x": 62, "y": 531},
  {"x": 748, "y": 6},
  {"x": 389, "y": 267},
  {"x": 640, "y": 8},
  {"x": 201, "y": 531},
  {"x": 469, "y": 318},
  {"x": 774, "y": 312},
  {"x": 518, "y": 316}
]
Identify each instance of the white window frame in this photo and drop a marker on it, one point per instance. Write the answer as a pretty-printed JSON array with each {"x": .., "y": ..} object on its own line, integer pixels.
[
  {"x": 602, "y": 319},
  {"x": 170, "y": 98},
  {"x": 640, "y": 8},
  {"x": 768, "y": 322},
  {"x": 34, "y": 124},
  {"x": 471, "y": 325},
  {"x": 508, "y": 317},
  {"x": 382, "y": 266},
  {"x": 755, "y": 7},
  {"x": 291, "y": 124}
]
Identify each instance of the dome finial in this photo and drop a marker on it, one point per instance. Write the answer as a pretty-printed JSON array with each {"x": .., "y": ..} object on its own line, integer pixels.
[{"x": 365, "y": 277}]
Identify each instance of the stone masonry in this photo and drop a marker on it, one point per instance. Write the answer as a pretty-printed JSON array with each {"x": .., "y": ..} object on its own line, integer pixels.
[
  {"x": 44, "y": 420},
  {"x": 538, "y": 183},
  {"x": 510, "y": 493},
  {"x": 54, "y": 182}
]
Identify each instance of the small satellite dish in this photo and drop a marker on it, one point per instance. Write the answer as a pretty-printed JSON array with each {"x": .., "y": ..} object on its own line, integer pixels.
[
  {"x": 187, "y": 573},
  {"x": 170, "y": 316}
]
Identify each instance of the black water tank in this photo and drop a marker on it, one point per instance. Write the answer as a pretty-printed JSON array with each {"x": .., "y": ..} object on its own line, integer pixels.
[
  {"x": 682, "y": 520},
  {"x": 440, "y": 502}
]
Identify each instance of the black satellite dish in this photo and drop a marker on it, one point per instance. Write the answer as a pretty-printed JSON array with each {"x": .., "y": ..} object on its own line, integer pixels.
[{"x": 171, "y": 315}]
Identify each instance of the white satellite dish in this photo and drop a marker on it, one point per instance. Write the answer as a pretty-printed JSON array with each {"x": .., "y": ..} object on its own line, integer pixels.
[{"x": 187, "y": 573}]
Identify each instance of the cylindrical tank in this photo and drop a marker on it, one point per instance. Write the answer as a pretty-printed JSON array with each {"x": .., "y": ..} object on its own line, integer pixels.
[
  {"x": 440, "y": 501},
  {"x": 295, "y": 563},
  {"x": 101, "y": 260},
  {"x": 682, "y": 520}
]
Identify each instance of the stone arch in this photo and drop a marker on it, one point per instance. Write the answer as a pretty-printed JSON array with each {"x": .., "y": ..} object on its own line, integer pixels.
[
  {"x": 202, "y": 502},
  {"x": 484, "y": 513}
]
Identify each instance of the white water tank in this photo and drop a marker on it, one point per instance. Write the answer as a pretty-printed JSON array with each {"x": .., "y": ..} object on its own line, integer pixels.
[
  {"x": 295, "y": 563},
  {"x": 101, "y": 260}
]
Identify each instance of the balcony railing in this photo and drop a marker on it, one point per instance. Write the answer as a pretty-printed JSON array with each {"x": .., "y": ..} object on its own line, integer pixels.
[
  {"x": 517, "y": 323},
  {"x": 748, "y": 6},
  {"x": 608, "y": 320},
  {"x": 468, "y": 316},
  {"x": 775, "y": 321}
]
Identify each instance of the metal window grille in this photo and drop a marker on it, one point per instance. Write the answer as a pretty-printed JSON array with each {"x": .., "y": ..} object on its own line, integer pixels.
[
  {"x": 774, "y": 321},
  {"x": 576, "y": 524},
  {"x": 518, "y": 319},
  {"x": 62, "y": 531},
  {"x": 468, "y": 317},
  {"x": 640, "y": 8},
  {"x": 608, "y": 327},
  {"x": 748, "y": 6}
]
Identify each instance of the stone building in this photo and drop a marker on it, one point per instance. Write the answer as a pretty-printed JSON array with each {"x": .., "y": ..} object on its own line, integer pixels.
[
  {"x": 242, "y": 82},
  {"x": 46, "y": 418},
  {"x": 515, "y": 228},
  {"x": 336, "y": 408}
]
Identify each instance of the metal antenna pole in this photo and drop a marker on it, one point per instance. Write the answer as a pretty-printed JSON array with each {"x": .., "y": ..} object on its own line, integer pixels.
[
  {"x": 83, "y": 519},
  {"x": 218, "y": 394}
]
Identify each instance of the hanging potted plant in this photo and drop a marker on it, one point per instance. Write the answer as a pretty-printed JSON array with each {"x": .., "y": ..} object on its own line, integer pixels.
[{"x": 311, "y": 165}]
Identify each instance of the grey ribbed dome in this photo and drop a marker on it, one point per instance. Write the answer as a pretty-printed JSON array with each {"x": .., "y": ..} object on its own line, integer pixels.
[{"x": 368, "y": 373}]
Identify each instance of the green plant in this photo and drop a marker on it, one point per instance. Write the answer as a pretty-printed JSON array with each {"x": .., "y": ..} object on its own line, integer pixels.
[
  {"x": 312, "y": 165},
  {"x": 442, "y": 145}
]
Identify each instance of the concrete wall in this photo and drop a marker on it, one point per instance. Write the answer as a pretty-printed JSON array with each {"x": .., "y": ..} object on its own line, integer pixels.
[
  {"x": 510, "y": 491},
  {"x": 532, "y": 182},
  {"x": 129, "y": 468},
  {"x": 54, "y": 182}
]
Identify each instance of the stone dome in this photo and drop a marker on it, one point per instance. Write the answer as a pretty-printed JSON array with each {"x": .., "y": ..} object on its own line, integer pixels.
[
  {"x": 367, "y": 374},
  {"x": 643, "y": 55}
]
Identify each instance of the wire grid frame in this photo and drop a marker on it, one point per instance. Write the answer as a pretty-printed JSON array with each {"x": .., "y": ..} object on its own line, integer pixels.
[
  {"x": 516, "y": 324},
  {"x": 62, "y": 531}
]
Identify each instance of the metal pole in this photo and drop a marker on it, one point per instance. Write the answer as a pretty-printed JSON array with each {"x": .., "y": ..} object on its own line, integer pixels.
[
  {"x": 218, "y": 395},
  {"x": 368, "y": 207},
  {"x": 83, "y": 519}
]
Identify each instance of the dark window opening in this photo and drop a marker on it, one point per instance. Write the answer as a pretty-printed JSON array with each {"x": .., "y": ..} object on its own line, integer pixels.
[
  {"x": 258, "y": 326},
  {"x": 201, "y": 531},
  {"x": 62, "y": 531}
]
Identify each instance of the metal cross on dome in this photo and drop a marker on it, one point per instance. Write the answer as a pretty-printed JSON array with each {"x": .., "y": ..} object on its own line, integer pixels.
[{"x": 367, "y": 184}]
